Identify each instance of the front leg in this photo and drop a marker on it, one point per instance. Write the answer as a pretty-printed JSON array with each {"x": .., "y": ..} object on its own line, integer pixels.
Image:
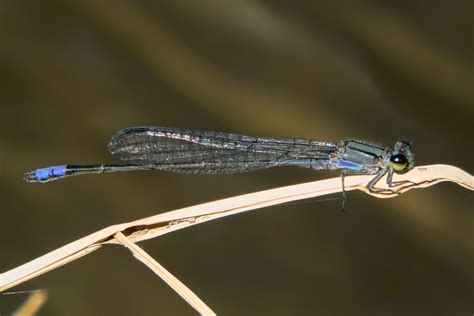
[
  {"x": 382, "y": 172},
  {"x": 393, "y": 184},
  {"x": 390, "y": 184}
]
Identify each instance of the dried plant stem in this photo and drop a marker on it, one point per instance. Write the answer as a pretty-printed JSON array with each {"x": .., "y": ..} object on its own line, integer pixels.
[
  {"x": 165, "y": 275},
  {"x": 147, "y": 228},
  {"x": 33, "y": 304}
]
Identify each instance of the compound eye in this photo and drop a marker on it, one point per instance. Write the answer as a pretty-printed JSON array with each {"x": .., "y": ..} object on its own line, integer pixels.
[{"x": 399, "y": 162}]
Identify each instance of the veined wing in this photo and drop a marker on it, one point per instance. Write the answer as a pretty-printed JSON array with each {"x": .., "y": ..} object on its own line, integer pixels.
[{"x": 193, "y": 151}]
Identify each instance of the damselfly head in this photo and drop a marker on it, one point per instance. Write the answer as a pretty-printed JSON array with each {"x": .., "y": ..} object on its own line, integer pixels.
[{"x": 402, "y": 159}]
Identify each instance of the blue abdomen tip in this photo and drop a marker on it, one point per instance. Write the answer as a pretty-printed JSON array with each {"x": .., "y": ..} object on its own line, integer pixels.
[{"x": 50, "y": 172}]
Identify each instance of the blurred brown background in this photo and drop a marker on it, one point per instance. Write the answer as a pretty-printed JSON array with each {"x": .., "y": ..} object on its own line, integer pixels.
[{"x": 74, "y": 72}]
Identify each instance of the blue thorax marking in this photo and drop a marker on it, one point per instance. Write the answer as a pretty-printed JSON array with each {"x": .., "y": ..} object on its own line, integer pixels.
[{"x": 341, "y": 163}]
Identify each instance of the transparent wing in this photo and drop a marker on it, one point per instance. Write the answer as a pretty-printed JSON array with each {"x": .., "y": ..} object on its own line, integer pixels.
[{"x": 193, "y": 151}]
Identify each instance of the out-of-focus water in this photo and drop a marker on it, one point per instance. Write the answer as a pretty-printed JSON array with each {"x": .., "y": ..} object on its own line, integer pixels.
[{"x": 74, "y": 72}]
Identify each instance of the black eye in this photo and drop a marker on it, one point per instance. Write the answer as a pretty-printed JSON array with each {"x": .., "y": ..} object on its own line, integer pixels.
[{"x": 398, "y": 162}]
